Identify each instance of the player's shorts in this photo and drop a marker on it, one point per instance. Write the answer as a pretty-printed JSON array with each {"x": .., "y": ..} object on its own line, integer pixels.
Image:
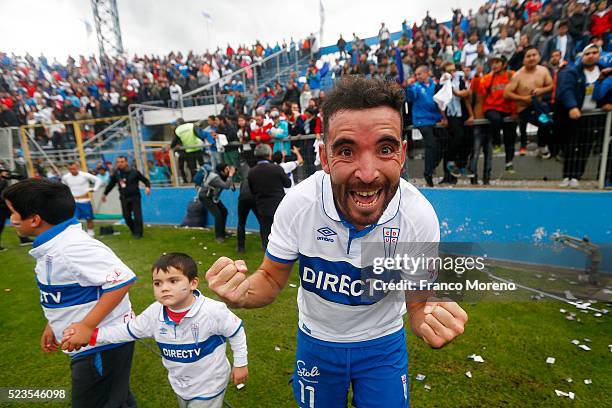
[
  {"x": 377, "y": 370},
  {"x": 84, "y": 211}
]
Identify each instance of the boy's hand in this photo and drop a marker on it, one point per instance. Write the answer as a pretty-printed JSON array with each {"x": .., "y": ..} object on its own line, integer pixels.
[
  {"x": 239, "y": 375},
  {"x": 48, "y": 343},
  {"x": 80, "y": 338}
]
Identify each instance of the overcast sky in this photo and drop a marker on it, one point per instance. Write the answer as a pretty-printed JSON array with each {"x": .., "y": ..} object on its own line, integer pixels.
[{"x": 56, "y": 27}]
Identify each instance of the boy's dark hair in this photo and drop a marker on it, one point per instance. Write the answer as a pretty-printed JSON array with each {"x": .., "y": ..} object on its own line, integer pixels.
[
  {"x": 356, "y": 93},
  {"x": 529, "y": 48},
  {"x": 179, "y": 261},
  {"x": 52, "y": 201}
]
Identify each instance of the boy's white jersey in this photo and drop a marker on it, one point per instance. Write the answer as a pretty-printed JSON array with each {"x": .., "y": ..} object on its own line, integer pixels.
[
  {"x": 72, "y": 271},
  {"x": 332, "y": 256},
  {"x": 80, "y": 184},
  {"x": 192, "y": 351}
]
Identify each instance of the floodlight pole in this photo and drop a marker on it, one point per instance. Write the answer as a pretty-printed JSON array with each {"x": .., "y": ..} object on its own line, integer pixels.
[{"x": 108, "y": 30}]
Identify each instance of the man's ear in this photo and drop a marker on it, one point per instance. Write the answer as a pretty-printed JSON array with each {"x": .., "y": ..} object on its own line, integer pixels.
[
  {"x": 323, "y": 157},
  {"x": 35, "y": 221}
]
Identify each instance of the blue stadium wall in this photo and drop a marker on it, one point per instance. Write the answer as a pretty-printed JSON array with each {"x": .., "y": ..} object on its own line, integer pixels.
[{"x": 513, "y": 225}]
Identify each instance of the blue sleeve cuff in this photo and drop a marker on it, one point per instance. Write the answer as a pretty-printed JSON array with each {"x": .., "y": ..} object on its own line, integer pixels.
[
  {"x": 130, "y": 332},
  {"x": 119, "y": 286},
  {"x": 279, "y": 260}
]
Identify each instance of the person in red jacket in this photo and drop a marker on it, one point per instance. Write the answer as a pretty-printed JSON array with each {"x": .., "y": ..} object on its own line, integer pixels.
[
  {"x": 601, "y": 20},
  {"x": 259, "y": 129},
  {"x": 496, "y": 108}
]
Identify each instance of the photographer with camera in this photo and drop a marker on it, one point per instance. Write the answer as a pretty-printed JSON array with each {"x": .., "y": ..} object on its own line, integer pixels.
[{"x": 210, "y": 195}]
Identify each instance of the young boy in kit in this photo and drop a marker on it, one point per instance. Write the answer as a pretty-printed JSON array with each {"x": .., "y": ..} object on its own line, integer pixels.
[
  {"x": 82, "y": 284},
  {"x": 190, "y": 330}
]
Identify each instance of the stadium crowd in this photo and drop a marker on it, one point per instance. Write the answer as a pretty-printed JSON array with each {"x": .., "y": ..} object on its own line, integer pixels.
[{"x": 476, "y": 54}]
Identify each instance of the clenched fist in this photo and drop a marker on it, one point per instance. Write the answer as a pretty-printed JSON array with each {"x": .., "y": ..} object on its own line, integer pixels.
[
  {"x": 439, "y": 321},
  {"x": 227, "y": 279}
]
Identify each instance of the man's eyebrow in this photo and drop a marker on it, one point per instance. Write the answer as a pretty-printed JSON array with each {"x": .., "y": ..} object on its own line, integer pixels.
[
  {"x": 342, "y": 141},
  {"x": 389, "y": 139}
]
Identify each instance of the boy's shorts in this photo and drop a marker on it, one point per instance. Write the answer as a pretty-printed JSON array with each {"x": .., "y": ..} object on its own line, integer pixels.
[
  {"x": 84, "y": 211},
  {"x": 215, "y": 402},
  {"x": 376, "y": 369},
  {"x": 102, "y": 379}
]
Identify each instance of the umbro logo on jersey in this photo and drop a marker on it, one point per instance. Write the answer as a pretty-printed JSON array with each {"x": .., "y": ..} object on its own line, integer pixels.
[
  {"x": 163, "y": 330},
  {"x": 326, "y": 233}
]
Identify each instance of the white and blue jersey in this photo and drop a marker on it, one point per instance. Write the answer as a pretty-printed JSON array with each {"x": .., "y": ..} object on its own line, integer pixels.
[
  {"x": 72, "y": 271},
  {"x": 307, "y": 228},
  {"x": 193, "y": 351},
  {"x": 346, "y": 337}
]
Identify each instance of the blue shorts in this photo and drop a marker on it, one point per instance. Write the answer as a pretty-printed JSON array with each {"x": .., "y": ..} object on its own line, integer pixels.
[
  {"x": 83, "y": 211},
  {"x": 376, "y": 369}
]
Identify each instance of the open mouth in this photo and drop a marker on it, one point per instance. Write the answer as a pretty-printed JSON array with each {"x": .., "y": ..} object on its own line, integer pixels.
[{"x": 366, "y": 198}]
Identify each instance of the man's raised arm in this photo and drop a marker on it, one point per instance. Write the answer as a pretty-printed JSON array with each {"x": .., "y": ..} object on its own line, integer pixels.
[{"x": 229, "y": 280}]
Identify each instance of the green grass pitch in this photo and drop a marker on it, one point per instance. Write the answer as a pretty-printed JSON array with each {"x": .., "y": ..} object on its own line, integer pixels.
[{"x": 513, "y": 337}]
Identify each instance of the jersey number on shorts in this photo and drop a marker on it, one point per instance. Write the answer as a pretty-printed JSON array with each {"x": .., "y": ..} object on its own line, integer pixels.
[{"x": 311, "y": 394}]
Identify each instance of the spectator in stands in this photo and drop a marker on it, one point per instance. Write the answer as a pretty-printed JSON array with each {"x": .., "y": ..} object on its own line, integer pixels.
[
  {"x": 601, "y": 20},
  {"x": 313, "y": 78},
  {"x": 341, "y": 44},
  {"x": 280, "y": 133},
  {"x": 305, "y": 97},
  {"x": 505, "y": 45},
  {"x": 210, "y": 195},
  {"x": 383, "y": 36},
  {"x": 7, "y": 117},
  {"x": 482, "y": 23},
  {"x": 516, "y": 62},
  {"x": 469, "y": 52},
  {"x": 578, "y": 23},
  {"x": 459, "y": 114},
  {"x": 533, "y": 27},
  {"x": 260, "y": 127},
  {"x": 527, "y": 88},
  {"x": 574, "y": 95},
  {"x": 425, "y": 116},
  {"x": 543, "y": 37},
  {"x": 481, "y": 58},
  {"x": 563, "y": 42},
  {"x": 176, "y": 94},
  {"x": 496, "y": 108},
  {"x": 292, "y": 92}
]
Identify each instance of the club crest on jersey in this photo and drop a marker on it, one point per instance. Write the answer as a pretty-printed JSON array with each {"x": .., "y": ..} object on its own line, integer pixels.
[
  {"x": 115, "y": 276},
  {"x": 195, "y": 332},
  {"x": 326, "y": 233},
  {"x": 390, "y": 238}
]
